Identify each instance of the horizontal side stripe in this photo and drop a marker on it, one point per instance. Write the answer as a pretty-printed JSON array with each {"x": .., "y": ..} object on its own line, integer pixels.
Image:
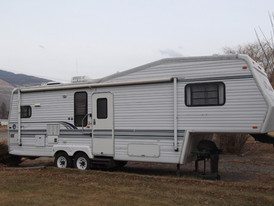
[
  {"x": 147, "y": 135},
  {"x": 217, "y": 78},
  {"x": 43, "y": 131},
  {"x": 60, "y": 136},
  {"x": 146, "y": 138},
  {"x": 160, "y": 131}
]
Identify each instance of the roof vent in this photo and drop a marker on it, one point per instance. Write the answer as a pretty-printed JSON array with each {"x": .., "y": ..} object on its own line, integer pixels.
[{"x": 78, "y": 79}]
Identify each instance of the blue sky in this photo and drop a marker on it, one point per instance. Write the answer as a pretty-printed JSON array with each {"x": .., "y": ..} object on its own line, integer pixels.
[{"x": 58, "y": 39}]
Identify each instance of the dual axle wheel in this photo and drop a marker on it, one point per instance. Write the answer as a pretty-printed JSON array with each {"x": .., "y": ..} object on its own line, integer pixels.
[{"x": 80, "y": 161}]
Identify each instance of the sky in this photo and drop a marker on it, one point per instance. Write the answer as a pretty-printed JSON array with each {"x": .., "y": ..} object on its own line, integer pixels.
[{"x": 59, "y": 39}]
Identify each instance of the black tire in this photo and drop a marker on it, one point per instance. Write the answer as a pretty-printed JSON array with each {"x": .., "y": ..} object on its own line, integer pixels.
[
  {"x": 62, "y": 160},
  {"x": 121, "y": 163},
  {"x": 81, "y": 161},
  {"x": 207, "y": 146}
]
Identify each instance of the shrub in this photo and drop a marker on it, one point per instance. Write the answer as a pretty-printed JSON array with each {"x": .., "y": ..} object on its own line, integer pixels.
[
  {"x": 231, "y": 143},
  {"x": 5, "y": 157}
]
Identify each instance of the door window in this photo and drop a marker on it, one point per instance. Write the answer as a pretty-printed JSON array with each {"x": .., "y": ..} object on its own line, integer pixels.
[
  {"x": 102, "y": 108},
  {"x": 80, "y": 109}
]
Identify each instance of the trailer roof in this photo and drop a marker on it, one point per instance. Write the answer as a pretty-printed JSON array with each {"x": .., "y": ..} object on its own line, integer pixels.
[
  {"x": 170, "y": 60},
  {"x": 103, "y": 81}
]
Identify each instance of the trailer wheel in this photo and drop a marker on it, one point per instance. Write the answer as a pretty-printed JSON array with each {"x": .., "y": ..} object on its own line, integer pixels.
[
  {"x": 81, "y": 161},
  {"x": 62, "y": 160}
]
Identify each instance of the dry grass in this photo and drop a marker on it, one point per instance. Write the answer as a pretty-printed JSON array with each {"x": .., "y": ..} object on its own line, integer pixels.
[
  {"x": 3, "y": 129},
  {"x": 4, "y": 156},
  {"x": 231, "y": 143},
  {"x": 52, "y": 186}
]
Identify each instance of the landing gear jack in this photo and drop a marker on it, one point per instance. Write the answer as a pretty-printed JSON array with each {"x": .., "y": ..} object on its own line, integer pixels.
[
  {"x": 207, "y": 150},
  {"x": 214, "y": 159}
]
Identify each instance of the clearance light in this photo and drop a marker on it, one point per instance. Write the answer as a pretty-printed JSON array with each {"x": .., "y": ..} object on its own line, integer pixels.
[
  {"x": 255, "y": 127},
  {"x": 244, "y": 67},
  {"x": 88, "y": 126},
  {"x": 260, "y": 68}
]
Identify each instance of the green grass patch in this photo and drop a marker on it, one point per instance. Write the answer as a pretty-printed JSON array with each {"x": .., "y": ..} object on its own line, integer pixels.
[{"x": 52, "y": 186}]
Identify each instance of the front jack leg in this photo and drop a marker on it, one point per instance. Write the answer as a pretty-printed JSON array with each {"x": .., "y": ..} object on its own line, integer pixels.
[{"x": 178, "y": 173}]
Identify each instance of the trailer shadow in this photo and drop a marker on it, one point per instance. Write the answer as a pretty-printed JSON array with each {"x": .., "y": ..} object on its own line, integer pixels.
[{"x": 257, "y": 165}]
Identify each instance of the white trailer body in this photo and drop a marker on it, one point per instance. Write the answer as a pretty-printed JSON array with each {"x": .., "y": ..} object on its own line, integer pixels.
[{"x": 154, "y": 113}]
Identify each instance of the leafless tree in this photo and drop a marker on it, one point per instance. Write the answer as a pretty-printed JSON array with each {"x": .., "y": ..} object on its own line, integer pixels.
[
  {"x": 261, "y": 51},
  {"x": 3, "y": 111}
]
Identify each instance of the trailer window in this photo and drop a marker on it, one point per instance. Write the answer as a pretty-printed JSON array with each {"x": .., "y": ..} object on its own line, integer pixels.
[
  {"x": 205, "y": 94},
  {"x": 25, "y": 111},
  {"x": 80, "y": 109},
  {"x": 102, "y": 108}
]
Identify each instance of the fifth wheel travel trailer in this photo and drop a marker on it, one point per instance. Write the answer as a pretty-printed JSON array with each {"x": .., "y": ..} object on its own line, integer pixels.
[{"x": 158, "y": 112}]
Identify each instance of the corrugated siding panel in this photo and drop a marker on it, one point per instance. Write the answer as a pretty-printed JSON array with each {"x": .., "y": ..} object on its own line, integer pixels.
[
  {"x": 244, "y": 108},
  {"x": 200, "y": 69},
  {"x": 143, "y": 106},
  {"x": 53, "y": 107},
  {"x": 151, "y": 107}
]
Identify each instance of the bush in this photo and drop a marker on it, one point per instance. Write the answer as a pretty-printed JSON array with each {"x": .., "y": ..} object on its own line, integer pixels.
[
  {"x": 3, "y": 151},
  {"x": 5, "y": 157},
  {"x": 231, "y": 143}
]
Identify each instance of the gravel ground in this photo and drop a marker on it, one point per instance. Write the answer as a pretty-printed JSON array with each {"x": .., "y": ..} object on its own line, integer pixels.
[{"x": 255, "y": 165}]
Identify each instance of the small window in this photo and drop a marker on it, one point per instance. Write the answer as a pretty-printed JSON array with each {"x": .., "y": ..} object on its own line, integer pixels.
[
  {"x": 25, "y": 111},
  {"x": 205, "y": 94},
  {"x": 102, "y": 108},
  {"x": 80, "y": 109}
]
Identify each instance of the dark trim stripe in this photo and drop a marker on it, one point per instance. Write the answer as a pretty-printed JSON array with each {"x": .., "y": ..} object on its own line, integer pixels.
[
  {"x": 148, "y": 131},
  {"x": 216, "y": 78},
  {"x": 118, "y": 134}
]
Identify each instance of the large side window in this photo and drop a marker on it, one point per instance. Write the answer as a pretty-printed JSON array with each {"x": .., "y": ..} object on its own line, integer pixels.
[
  {"x": 26, "y": 111},
  {"x": 205, "y": 94},
  {"x": 102, "y": 108},
  {"x": 80, "y": 109}
]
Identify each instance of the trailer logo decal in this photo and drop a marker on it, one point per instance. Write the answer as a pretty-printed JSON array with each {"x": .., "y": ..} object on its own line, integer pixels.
[{"x": 68, "y": 125}]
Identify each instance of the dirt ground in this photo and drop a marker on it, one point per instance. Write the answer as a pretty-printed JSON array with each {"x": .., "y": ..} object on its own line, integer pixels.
[{"x": 256, "y": 163}]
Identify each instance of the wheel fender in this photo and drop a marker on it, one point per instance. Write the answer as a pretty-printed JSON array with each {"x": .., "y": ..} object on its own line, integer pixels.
[{"x": 71, "y": 150}]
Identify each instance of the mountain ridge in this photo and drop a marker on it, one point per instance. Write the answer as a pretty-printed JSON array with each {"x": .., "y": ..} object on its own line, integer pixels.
[
  {"x": 20, "y": 79},
  {"x": 10, "y": 80}
]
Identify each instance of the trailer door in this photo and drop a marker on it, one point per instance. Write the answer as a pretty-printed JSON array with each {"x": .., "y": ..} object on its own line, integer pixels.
[{"x": 102, "y": 124}]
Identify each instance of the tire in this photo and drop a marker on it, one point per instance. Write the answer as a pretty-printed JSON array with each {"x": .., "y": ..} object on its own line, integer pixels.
[
  {"x": 121, "y": 163},
  {"x": 62, "y": 160},
  {"x": 81, "y": 161}
]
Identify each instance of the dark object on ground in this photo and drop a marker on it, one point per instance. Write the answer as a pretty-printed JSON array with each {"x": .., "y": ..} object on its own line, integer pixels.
[
  {"x": 6, "y": 158},
  {"x": 265, "y": 138},
  {"x": 207, "y": 150}
]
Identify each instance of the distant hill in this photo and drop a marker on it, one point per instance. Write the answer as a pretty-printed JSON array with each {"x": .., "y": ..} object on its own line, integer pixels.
[
  {"x": 9, "y": 80},
  {"x": 20, "y": 79}
]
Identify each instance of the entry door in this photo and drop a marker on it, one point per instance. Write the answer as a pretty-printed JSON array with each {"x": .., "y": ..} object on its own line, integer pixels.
[{"x": 102, "y": 124}]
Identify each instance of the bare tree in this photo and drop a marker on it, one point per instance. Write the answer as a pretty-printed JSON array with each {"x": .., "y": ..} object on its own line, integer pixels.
[
  {"x": 262, "y": 51},
  {"x": 3, "y": 111}
]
